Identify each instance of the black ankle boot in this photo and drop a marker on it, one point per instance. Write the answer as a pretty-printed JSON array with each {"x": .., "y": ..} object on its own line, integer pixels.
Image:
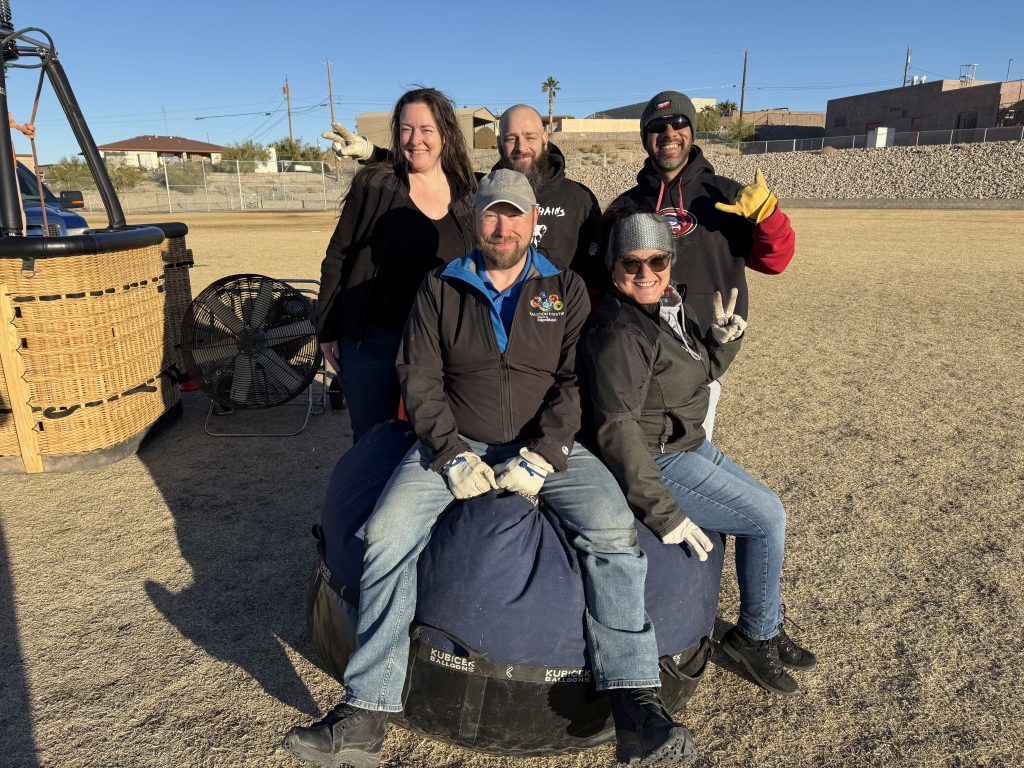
[
  {"x": 346, "y": 736},
  {"x": 792, "y": 655},
  {"x": 645, "y": 733},
  {"x": 761, "y": 659}
]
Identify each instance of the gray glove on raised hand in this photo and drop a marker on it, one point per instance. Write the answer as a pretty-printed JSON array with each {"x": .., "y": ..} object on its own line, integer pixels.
[
  {"x": 524, "y": 474},
  {"x": 689, "y": 532},
  {"x": 348, "y": 144},
  {"x": 469, "y": 476},
  {"x": 727, "y": 326}
]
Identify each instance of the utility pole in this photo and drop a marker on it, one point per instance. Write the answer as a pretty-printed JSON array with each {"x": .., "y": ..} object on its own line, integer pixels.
[
  {"x": 330, "y": 90},
  {"x": 906, "y": 68},
  {"x": 743, "y": 88},
  {"x": 1008, "y": 69},
  {"x": 288, "y": 95}
]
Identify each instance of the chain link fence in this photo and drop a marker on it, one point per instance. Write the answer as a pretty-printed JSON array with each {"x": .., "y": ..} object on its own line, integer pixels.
[
  {"x": 224, "y": 186},
  {"x": 907, "y": 139}
]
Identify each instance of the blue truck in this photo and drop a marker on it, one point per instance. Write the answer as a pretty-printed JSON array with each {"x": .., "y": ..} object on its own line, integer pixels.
[{"x": 60, "y": 220}]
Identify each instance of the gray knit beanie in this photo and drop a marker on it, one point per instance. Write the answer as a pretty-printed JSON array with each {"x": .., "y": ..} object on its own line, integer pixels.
[{"x": 639, "y": 232}]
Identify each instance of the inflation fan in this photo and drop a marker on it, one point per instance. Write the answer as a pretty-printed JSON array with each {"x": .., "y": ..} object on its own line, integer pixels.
[{"x": 249, "y": 341}]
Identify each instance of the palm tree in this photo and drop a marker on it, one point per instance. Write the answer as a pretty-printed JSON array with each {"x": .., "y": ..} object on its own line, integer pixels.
[
  {"x": 726, "y": 108},
  {"x": 550, "y": 87}
]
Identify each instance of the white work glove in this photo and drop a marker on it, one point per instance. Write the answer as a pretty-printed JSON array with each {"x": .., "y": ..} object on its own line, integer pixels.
[
  {"x": 469, "y": 476},
  {"x": 727, "y": 326},
  {"x": 691, "y": 533},
  {"x": 348, "y": 144},
  {"x": 524, "y": 474}
]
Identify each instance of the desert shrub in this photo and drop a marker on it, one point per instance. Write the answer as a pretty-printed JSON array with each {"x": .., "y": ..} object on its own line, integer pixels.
[
  {"x": 124, "y": 176},
  {"x": 740, "y": 131},
  {"x": 708, "y": 120},
  {"x": 69, "y": 173},
  {"x": 184, "y": 177}
]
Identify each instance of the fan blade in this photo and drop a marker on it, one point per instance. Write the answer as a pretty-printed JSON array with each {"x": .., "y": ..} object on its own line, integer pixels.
[
  {"x": 241, "y": 381},
  {"x": 261, "y": 304},
  {"x": 289, "y": 332},
  {"x": 279, "y": 370},
  {"x": 226, "y": 315},
  {"x": 213, "y": 354}
]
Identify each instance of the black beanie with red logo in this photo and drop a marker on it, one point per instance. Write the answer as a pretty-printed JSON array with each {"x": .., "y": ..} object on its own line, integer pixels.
[{"x": 664, "y": 104}]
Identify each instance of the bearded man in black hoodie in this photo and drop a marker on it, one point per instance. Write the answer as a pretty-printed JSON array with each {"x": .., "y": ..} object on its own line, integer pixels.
[
  {"x": 569, "y": 228},
  {"x": 568, "y": 232},
  {"x": 721, "y": 227}
]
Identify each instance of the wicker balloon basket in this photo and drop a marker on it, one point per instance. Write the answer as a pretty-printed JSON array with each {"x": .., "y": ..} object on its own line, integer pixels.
[{"x": 88, "y": 352}]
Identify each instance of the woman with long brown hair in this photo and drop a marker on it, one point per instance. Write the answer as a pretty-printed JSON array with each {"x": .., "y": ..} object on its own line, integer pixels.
[{"x": 400, "y": 220}]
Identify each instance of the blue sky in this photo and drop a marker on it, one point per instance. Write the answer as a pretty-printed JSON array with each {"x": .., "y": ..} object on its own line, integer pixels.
[{"x": 141, "y": 67}]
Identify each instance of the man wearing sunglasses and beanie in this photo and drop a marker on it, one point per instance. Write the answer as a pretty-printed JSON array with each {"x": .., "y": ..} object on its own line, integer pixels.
[{"x": 720, "y": 226}]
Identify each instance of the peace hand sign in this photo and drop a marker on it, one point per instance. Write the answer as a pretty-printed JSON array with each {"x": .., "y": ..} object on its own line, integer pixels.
[{"x": 728, "y": 326}]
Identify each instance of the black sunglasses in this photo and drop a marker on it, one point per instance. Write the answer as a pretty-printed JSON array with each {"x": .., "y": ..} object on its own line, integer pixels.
[
  {"x": 657, "y": 263},
  {"x": 661, "y": 124}
]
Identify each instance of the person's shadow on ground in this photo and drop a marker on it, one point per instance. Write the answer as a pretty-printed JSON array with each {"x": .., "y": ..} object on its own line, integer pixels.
[
  {"x": 16, "y": 739},
  {"x": 243, "y": 509}
]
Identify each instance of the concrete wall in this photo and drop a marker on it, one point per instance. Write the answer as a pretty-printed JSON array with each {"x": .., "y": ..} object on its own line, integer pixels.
[
  {"x": 597, "y": 126},
  {"x": 778, "y": 117}
]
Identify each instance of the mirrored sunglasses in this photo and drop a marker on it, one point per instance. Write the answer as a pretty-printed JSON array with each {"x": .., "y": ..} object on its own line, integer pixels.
[
  {"x": 661, "y": 124},
  {"x": 657, "y": 263}
]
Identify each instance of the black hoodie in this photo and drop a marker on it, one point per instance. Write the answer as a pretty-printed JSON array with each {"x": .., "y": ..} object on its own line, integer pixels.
[
  {"x": 568, "y": 231},
  {"x": 713, "y": 247}
]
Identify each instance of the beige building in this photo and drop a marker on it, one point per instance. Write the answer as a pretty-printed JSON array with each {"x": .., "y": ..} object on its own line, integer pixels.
[
  {"x": 479, "y": 127},
  {"x": 597, "y": 125}
]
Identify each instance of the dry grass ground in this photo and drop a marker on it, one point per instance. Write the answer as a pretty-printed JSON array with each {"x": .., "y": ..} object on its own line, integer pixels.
[{"x": 151, "y": 612}]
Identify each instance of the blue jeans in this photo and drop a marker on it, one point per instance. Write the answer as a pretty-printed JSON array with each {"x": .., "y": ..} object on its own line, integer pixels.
[
  {"x": 369, "y": 379},
  {"x": 720, "y": 496},
  {"x": 623, "y": 648}
]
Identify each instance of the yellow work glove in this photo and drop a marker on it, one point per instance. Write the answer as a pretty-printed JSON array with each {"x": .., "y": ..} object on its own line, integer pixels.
[{"x": 755, "y": 202}]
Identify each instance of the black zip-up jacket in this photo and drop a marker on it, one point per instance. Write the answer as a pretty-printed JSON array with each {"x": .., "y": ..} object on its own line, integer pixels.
[
  {"x": 568, "y": 230},
  {"x": 381, "y": 231},
  {"x": 456, "y": 379},
  {"x": 713, "y": 248},
  {"x": 647, "y": 394}
]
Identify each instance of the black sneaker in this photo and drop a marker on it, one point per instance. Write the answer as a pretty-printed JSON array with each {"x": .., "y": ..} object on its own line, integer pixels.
[
  {"x": 792, "y": 655},
  {"x": 761, "y": 659},
  {"x": 645, "y": 733},
  {"x": 346, "y": 736}
]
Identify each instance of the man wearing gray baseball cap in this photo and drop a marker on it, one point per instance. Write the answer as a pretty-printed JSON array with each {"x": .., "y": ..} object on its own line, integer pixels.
[
  {"x": 721, "y": 227},
  {"x": 487, "y": 369}
]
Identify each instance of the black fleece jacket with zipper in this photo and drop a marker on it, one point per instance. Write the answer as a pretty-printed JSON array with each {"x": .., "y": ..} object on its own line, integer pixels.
[
  {"x": 461, "y": 376},
  {"x": 647, "y": 394},
  {"x": 381, "y": 232}
]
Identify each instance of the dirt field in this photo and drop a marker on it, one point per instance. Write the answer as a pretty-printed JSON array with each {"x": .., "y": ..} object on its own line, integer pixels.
[{"x": 151, "y": 612}]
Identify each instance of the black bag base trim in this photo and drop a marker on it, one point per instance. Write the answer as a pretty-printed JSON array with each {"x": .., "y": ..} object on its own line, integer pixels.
[{"x": 523, "y": 710}]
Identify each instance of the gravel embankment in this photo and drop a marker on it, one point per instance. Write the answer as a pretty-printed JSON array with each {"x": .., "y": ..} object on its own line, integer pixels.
[{"x": 961, "y": 171}]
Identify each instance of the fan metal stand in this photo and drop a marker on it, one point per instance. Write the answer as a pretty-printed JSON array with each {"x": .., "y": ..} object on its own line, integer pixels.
[{"x": 316, "y": 394}]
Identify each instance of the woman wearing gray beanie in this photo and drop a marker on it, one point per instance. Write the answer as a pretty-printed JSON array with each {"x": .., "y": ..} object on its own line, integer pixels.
[{"x": 646, "y": 371}]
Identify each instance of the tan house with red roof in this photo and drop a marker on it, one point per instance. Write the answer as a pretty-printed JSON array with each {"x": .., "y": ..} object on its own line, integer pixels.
[{"x": 154, "y": 151}]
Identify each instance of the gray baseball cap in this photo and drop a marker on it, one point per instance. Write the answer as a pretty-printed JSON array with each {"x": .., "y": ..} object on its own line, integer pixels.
[
  {"x": 639, "y": 232},
  {"x": 667, "y": 103},
  {"x": 505, "y": 186}
]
